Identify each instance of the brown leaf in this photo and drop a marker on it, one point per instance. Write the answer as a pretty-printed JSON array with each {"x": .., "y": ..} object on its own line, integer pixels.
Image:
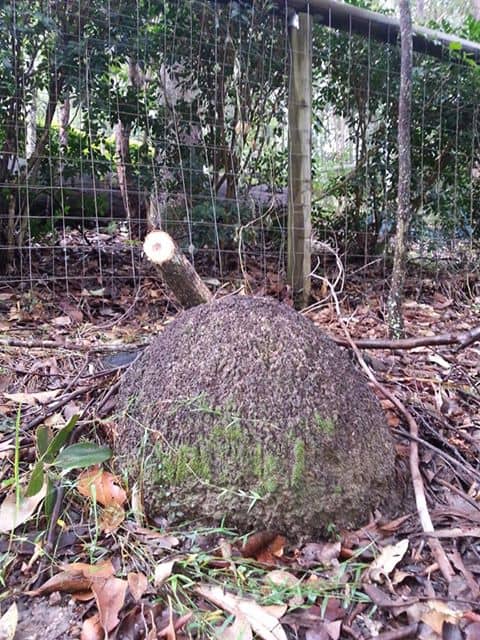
[
  {"x": 315, "y": 553},
  {"x": 138, "y": 584},
  {"x": 102, "y": 486},
  {"x": 256, "y": 543},
  {"x": 92, "y": 629},
  {"x": 263, "y": 623},
  {"x": 32, "y": 399},
  {"x": 13, "y": 514},
  {"x": 110, "y": 597},
  {"x": 76, "y": 577},
  {"x": 112, "y": 517}
]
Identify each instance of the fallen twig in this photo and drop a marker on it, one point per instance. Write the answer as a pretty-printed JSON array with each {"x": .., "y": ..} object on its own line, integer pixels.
[
  {"x": 70, "y": 346},
  {"x": 463, "y": 339},
  {"x": 419, "y": 490}
]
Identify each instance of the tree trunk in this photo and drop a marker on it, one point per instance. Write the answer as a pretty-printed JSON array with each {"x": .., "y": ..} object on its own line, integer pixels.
[
  {"x": 395, "y": 298},
  {"x": 63, "y": 132},
  {"x": 175, "y": 270},
  {"x": 300, "y": 160},
  {"x": 476, "y": 9}
]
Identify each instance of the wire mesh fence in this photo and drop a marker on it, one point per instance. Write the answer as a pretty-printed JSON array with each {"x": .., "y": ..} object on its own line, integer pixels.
[{"x": 121, "y": 117}]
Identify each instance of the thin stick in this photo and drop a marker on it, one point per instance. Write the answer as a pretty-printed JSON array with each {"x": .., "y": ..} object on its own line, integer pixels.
[
  {"x": 463, "y": 339},
  {"x": 419, "y": 490}
]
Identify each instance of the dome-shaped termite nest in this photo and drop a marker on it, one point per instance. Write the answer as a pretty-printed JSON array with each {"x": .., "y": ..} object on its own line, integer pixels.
[{"x": 243, "y": 412}]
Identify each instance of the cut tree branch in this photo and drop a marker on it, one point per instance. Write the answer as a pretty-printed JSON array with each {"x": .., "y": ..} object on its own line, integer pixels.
[{"x": 176, "y": 271}]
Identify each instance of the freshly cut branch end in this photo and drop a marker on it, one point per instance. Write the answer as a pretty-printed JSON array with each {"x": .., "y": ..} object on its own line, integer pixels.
[
  {"x": 159, "y": 247},
  {"x": 175, "y": 270}
]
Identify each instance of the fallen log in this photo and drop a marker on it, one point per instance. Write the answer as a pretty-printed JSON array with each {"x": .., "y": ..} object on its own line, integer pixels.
[{"x": 175, "y": 270}]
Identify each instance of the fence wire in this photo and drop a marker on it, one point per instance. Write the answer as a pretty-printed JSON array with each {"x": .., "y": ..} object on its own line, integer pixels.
[{"x": 117, "y": 118}]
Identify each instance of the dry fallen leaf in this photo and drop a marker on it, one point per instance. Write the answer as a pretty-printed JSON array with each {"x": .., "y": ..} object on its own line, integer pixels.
[
  {"x": 138, "y": 584},
  {"x": 386, "y": 562},
  {"x": 102, "y": 486},
  {"x": 263, "y": 623},
  {"x": 163, "y": 571},
  {"x": 433, "y": 613},
  {"x": 76, "y": 577},
  {"x": 12, "y": 515},
  {"x": 31, "y": 399},
  {"x": 110, "y": 598},
  {"x": 8, "y": 623},
  {"x": 92, "y": 629}
]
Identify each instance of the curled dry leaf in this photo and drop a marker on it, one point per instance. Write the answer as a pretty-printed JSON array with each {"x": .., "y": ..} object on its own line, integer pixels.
[
  {"x": 8, "y": 623},
  {"x": 102, "y": 486},
  {"x": 258, "y": 543},
  {"x": 12, "y": 515},
  {"x": 386, "y": 562},
  {"x": 76, "y": 577}
]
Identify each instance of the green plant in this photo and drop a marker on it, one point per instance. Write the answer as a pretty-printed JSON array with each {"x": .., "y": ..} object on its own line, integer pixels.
[{"x": 54, "y": 454}]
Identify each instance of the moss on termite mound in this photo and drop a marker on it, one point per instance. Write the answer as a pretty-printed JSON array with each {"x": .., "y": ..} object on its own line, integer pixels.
[{"x": 243, "y": 410}]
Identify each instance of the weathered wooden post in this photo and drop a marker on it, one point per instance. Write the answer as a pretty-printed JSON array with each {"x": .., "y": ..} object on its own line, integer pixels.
[{"x": 300, "y": 158}]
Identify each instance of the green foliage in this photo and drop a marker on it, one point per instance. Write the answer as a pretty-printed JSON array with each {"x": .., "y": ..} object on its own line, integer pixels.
[
  {"x": 359, "y": 80},
  {"x": 199, "y": 109},
  {"x": 52, "y": 453}
]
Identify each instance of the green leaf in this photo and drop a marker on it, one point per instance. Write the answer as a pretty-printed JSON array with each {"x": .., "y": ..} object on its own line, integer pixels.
[
  {"x": 60, "y": 439},
  {"x": 43, "y": 438},
  {"x": 50, "y": 497},
  {"x": 455, "y": 46},
  {"x": 36, "y": 480},
  {"x": 83, "y": 454}
]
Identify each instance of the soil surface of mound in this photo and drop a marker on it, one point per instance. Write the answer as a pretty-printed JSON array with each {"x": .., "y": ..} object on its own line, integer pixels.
[{"x": 242, "y": 411}]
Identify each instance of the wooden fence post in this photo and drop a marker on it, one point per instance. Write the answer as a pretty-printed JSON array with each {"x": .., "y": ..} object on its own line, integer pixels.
[{"x": 300, "y": 159}]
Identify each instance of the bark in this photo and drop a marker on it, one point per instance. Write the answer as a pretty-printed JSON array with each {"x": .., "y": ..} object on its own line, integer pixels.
[
  {"x": 476, "y": 9},
  {"x": 63, "y": 133},
  {"x": 122, "y": 137},
  {"x": 463, "y": 339},
  {"x": 395, "y": 298},
  {"x": 176, "y": 271},
  {"x": 421, "y": 10}
]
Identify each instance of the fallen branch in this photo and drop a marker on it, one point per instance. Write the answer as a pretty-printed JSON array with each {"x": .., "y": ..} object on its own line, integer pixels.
[
  {"x": 69, "y": 346},
  {"x": 463, "y": 339},
  {"x": 176, "y": 271}
]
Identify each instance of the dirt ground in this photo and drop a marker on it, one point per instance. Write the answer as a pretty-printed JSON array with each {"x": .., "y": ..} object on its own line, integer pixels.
[{"x": 63, "y": 354}]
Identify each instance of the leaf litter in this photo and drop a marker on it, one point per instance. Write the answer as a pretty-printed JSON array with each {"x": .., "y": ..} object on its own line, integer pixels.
[{"x": 136, "y": 581}]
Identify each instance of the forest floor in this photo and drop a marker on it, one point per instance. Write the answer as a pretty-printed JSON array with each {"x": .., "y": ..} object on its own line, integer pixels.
[{"x": 93, "y": 563}]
